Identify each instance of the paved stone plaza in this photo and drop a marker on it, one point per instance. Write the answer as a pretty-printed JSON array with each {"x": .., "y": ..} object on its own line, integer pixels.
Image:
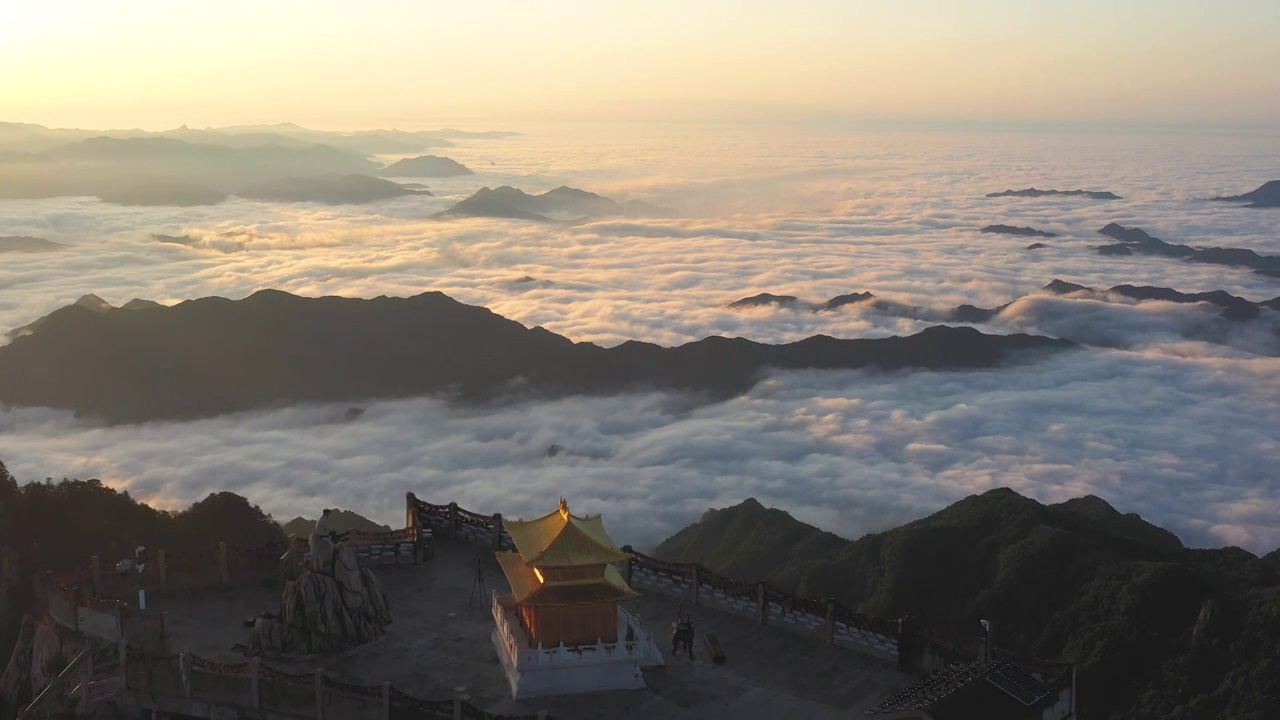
[{"x": 439, "y": 641}]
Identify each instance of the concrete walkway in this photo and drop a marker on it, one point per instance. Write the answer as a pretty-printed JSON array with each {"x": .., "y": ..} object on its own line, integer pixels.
[{"x": 439, "y": 641}]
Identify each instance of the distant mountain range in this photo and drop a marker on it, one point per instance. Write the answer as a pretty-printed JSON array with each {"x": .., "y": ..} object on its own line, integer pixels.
[
  {"x": 456, "y": 134},
  {"x": 425, "y": 166},
  {"x": 1137, "y": 241},
  {"x": 160, "y": 192},
  {"x": 211, "y": 356},
  {"x": 1033, "y": 192},
  {"x": 27, "y": 244},
  {"x": 328, "y": 189},
  {"x": 1233, "y": 307},
  {"x": 185, "y": 167},
  {"x": 29, "y": 138},
  {"x": 562, "y": 203},
  {"x": 1158, "y": 630},
  {"x": 165, "y": 171},
  {"x": 1266, "y": 196}
]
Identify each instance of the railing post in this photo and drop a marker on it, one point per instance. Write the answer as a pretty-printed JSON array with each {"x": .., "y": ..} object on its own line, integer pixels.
[
  {"x": 222, "y": 563},
  {"x": 453, "y": 519},
  {"x": 122, "y": 667},
  {"x": 459, "y": 697},
  {"x": 184, "y": 669},
  {"x": 626, "y": 564},
  {"x": 386, "y": 697},
  {"x": 697, "y": 582},
  {"x": 761, "y": 611},
  {"x": 831, "y": 622},
  {"x": 83, "y": 706},
  {"x": 410, "y": 509},
  {"x": 411, "y": 520},
  {"x": 253, "y": 683},
  {"x": 319, "y": 693},
  {"x": 162, "y": 566},
  {"x": 97, "y": 576},
  {"x": 497, "y": 531}
]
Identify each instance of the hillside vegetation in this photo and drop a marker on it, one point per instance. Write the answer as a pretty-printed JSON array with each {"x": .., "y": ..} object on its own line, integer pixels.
[
  {"x": 1158, "y": 630},
  {"x": 48, "y": 526}
]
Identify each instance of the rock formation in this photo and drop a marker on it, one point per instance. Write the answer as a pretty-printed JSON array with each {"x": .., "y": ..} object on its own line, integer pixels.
[
  {"x": 42, "y": 651},
  {"x": 332, "y": 605},
  {"x": 15, "y": 681}
]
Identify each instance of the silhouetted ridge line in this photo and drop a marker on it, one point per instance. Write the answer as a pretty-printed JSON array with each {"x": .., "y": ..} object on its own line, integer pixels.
[
  {"x": 1033, "y": 192},
  {"x": 561, "y": 203},
  {"x": 1266, "y": 196},
  {"x": 425, "y": 166},
  {"x": 1136, "y": 240},
  {"x": 1014, "y": 230},
  {"x": 327, "y": 189},
  {"x": 1234, "y": 307},
  {"x": 211, "y": 356},
  {"x": 27, "y": 244}
]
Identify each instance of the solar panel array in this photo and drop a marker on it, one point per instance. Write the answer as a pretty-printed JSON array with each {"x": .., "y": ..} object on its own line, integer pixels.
[
  {"x": 934, "y": 688},
  {"x": 1019, "y": 685}
]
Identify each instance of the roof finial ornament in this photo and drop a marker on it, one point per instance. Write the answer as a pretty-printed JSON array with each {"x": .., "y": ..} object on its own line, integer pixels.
[{"x": 564, "y": 506}]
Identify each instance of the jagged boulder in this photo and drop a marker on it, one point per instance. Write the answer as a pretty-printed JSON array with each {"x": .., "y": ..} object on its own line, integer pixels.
[
  {"x": 46, "y": 656},
  {"x": 331, "y": 606},
  {"x": 15, "y": 682}
]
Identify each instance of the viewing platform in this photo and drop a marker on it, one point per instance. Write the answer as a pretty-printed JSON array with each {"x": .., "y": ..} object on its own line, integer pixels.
[{"x": 441, "y": 645}]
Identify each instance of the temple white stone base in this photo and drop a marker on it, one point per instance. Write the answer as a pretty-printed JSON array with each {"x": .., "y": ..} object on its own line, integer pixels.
[{"x": 539, "y": 672}]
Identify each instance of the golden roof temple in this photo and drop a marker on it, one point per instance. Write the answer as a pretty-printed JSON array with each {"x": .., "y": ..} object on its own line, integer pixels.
[{"x": 563, "y": 580}]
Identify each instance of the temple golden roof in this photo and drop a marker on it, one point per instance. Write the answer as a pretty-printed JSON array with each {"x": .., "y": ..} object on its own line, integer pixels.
[
  {"x": 561, "y": 539},
  {"x": 532, "y": 592}
]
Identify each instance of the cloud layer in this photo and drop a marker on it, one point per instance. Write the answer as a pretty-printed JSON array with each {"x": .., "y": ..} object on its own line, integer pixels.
[{"x": 1167, "y": 414}]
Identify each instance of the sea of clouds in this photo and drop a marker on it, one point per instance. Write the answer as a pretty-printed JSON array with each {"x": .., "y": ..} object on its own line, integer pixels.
[{"x": 1168, "y": 410}]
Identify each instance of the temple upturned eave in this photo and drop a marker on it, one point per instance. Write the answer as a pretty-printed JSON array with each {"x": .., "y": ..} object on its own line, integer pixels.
[{"x": 559, "y": 539}]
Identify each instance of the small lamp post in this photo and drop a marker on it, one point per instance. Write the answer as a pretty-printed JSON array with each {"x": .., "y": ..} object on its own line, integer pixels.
[
  {"x": 139, "y": 564},
  {"x": 986, "y": 627}
]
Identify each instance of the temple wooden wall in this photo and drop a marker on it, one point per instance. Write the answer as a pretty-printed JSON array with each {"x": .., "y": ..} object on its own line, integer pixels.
[{"x": 574, "y": 624}]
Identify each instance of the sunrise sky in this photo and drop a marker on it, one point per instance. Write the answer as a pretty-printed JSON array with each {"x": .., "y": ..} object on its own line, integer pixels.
[{"x": 347, "y": 64}]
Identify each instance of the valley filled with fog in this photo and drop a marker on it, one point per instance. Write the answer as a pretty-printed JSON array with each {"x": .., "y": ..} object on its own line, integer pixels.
[{"x": 1166, "y": 409}]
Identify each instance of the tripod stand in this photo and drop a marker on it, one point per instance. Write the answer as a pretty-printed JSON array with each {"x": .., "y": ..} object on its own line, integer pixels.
[{"x": 477, "y": 585}]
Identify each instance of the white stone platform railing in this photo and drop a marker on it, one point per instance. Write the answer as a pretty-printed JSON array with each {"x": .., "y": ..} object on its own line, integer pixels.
[{"x": 521, "y": 656}]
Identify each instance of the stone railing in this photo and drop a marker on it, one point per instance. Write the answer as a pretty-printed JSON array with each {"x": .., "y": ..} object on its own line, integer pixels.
[
  {"x": 395, "y": 547},
  {"x": 227, "y": 565},
  {"x": 455, "y": 522},
  {"x": 191, "y": 685},
  {"x": 825, "y": 619},
  {"x": 108, "y": 619}
]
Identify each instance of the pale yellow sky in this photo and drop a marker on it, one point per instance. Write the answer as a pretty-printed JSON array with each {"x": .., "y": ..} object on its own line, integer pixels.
[{"x": 409, "y": 63}]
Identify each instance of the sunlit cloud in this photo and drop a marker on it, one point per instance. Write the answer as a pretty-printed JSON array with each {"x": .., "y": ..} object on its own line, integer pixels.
[{"x": 1166, "y": 412}]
